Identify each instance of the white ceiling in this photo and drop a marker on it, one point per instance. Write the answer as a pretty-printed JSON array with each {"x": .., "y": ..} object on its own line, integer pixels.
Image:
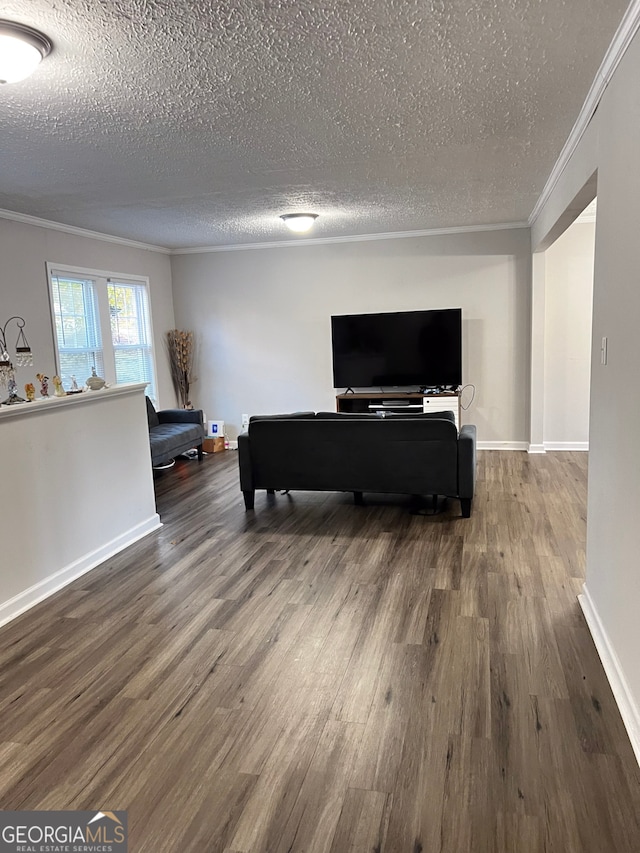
[{"x": 191, "y": 123}]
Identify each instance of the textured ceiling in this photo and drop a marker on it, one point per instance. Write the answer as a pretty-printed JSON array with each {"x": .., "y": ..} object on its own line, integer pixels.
[{"x": 193, "y": 123}]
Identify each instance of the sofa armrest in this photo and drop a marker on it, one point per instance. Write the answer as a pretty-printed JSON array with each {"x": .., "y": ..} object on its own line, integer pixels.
[
  {"x": 244, "y": 462},
  {"x": 467, "y": 461},
  {"x": 180, "y": 416}
]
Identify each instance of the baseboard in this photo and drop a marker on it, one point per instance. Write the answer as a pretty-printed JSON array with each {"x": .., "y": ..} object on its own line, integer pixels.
[
  {"x": 502, "y": 445},
  {"x": 233, "y": 445},
  {"x": 613, "y": 670},
  {"x": 43, "y": 589},
  {"x": 536, "y": 448},
  {"x": 566, "y": 445}
]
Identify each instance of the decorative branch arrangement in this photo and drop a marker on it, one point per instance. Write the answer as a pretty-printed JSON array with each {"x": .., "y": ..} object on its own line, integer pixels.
[{"x": 180, "y": 345}]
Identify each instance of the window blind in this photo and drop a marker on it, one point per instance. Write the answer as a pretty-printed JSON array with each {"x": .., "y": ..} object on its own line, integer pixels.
[
  {"x": 131, "y": 333},
  {"x": 77, "y": 329}
]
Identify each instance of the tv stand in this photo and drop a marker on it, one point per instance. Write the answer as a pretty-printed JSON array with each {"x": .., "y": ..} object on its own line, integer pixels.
[{"x": 414, "y": 401}]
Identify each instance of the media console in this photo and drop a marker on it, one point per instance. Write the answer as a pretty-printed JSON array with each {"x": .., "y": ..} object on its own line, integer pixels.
[{"x": 447, "y": 401}]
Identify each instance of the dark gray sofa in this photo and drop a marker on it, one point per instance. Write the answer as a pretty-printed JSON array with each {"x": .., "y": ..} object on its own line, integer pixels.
[
  {"x": 172, "y": 432},
  {"x": 414, "y": 454}
]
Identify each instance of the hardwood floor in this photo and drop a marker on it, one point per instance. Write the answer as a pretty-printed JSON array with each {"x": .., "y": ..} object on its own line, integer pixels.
[{"x": 318, "y": 676}]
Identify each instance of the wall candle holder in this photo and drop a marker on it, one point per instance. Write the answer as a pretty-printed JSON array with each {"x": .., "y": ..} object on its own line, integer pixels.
[{"x": 23, "y": 358}]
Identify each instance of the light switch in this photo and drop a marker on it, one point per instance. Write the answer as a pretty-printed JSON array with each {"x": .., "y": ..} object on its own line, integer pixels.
[{"x": 603, "y": 351}]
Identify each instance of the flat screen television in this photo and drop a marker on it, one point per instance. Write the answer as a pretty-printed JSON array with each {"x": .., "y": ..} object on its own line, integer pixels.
[{"x": 422, "y": 348}]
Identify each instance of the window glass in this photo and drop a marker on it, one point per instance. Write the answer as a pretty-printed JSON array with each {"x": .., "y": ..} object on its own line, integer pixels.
[
  {"x": 77, "y": 329},
  {"x": 131, "y": 333}
]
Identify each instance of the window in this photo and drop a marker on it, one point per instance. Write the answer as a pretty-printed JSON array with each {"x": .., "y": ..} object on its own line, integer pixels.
[
  {"x": 101, "y": 321},
  {"x": 131, "y": 332},
  {"x": 79, "y": 341}
]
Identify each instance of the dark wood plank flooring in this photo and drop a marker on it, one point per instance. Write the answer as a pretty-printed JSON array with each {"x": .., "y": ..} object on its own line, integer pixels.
[{"x": 317, "y": 676}]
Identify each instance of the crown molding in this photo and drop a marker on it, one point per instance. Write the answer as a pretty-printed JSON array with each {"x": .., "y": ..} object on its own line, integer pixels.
[
  {"x": 27, "y": 219},
  {"x": 619, "y": 44},
  {"x": 79, "y": 232},
  {"x": 357, "y": 238}
]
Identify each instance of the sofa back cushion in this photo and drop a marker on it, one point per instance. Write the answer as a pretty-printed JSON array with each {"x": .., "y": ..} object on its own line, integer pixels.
[
  {"x": 337, "y": 416},
  {"x": 152, "y": 415},
  {"x": 425, "y": 416},
  {"x": 287, "y": 417},
  {"x": 343, "y": 416}
]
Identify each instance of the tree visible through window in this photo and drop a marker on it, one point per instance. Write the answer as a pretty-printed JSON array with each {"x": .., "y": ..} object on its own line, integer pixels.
[{"x": 103, "y": 323}]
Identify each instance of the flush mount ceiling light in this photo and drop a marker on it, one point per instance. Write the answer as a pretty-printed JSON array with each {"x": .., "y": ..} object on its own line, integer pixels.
[
  {"x": 299, "y": 222},
  {"x": 21, "y": 51}
]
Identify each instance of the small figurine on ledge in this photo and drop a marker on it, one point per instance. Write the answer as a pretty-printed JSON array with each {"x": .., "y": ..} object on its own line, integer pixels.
[
  {"x": 58, "y": 389},
  {"x": 74, "y": 386},
  {"x": 44, "y": 384},
  {"x": 12, "y": 387},
  {"x": 95, "y": 382},
  {"x": 30, "y": 391}
]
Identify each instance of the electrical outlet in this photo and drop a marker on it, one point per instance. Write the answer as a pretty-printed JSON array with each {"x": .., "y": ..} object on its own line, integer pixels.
[{"x": 245, "y": 422}]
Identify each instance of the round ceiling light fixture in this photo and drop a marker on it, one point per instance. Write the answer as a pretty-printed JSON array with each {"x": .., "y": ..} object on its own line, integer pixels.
[
  {"x": 22, "y": 49},
  {"x": 299, "y": 222}
]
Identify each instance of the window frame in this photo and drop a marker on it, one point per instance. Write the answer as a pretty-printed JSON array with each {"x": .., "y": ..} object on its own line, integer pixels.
[{"x": 102, "y": 279}]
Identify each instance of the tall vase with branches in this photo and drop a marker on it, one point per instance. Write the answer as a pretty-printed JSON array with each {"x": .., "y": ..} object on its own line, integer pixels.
[{"x": 181, "y": 350}]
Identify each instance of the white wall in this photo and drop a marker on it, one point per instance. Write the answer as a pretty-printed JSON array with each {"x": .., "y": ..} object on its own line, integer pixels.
[
  {"x": 612, "y": 588},
  {"x": 567, "y": 341},
  {"x": 262, "y": 318},
  {"x": 25, "y": 249}
]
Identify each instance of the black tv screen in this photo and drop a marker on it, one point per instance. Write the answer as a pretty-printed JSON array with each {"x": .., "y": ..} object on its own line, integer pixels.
[{"x": 422, "y": 348}]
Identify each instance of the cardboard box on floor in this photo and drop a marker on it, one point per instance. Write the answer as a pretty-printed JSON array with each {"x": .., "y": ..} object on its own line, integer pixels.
[{"x": 213, "y": 445}]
